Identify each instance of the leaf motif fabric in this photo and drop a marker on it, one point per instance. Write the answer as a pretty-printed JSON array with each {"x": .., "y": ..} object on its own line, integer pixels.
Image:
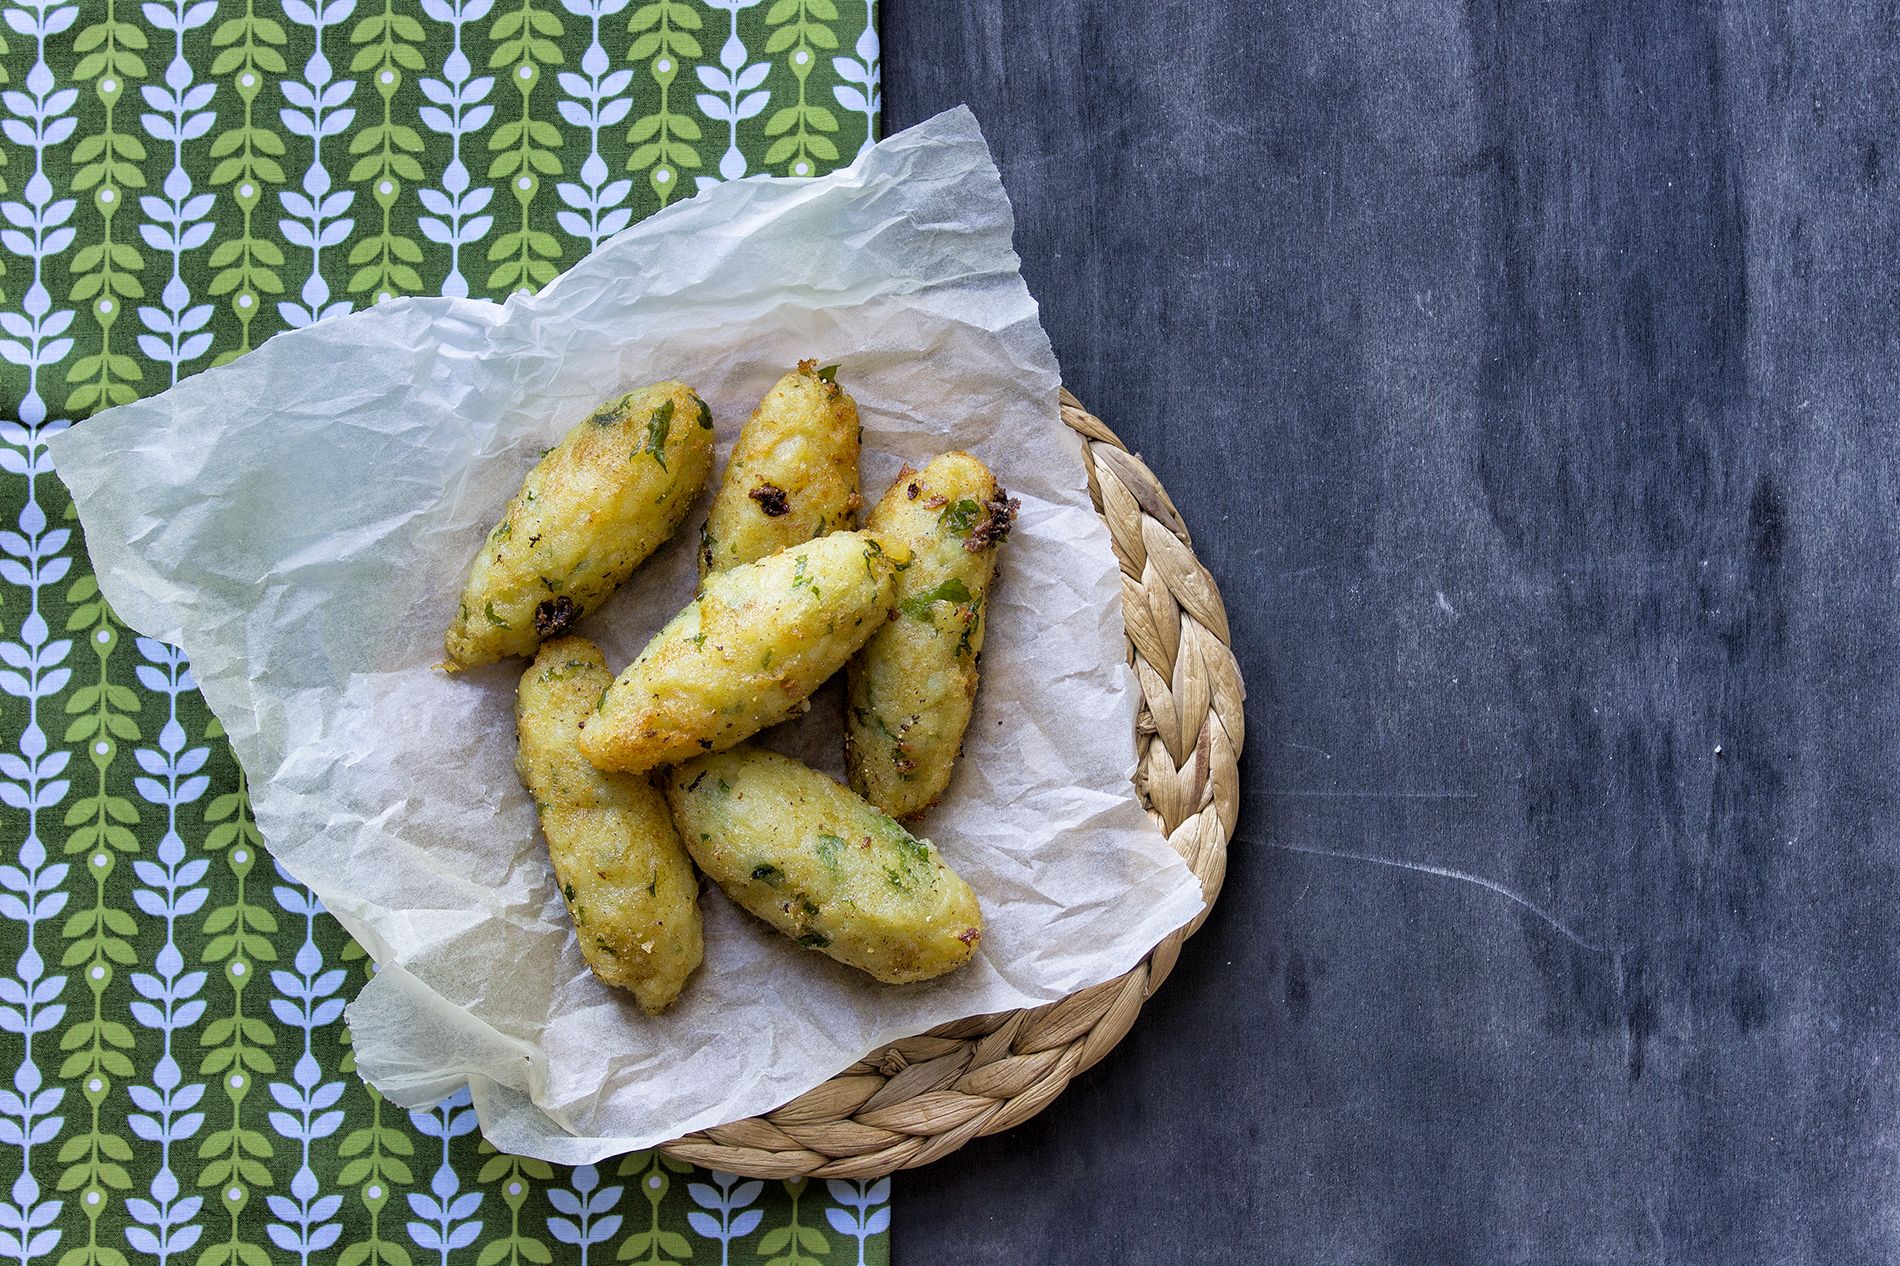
[{"x": 180, "y": 180}]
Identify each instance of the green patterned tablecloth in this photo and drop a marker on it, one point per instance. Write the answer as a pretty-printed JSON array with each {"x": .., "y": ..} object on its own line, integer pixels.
[{"x": 179, "y": 180}]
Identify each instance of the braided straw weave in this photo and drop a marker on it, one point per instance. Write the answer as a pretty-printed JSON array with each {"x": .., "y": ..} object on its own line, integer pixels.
[{"x": 921, "y": 1098}]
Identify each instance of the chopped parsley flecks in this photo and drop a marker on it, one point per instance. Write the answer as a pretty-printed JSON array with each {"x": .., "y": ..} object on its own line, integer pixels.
[
  {"x": 960, "y": 517},
  {"x": 657, "y": 427},
  {"x": 610, "y": 414},
  {"x": 905, "y": 841},
  {"x": 964, "y": 643},
  {"x": 801, "y": 580},
  {"x": 917, "y": 606}
]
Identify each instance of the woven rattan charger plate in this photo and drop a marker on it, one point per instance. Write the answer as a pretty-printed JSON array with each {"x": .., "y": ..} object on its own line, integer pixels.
[{"x": 920, "y": 1099}]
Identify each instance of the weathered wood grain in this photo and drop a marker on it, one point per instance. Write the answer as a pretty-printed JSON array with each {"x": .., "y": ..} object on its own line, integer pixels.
[{"x": 1526, "y": 374}]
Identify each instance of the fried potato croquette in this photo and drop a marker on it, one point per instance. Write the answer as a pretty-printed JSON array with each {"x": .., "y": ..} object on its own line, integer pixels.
[
  {"x": 800, "y": 851},
  {"x": 744, "y": 654},
  {"x": 591, "y": 510},
  {"x": 629, "y": 886},
  {"x": 913, "y": 685},
  {"x": 793, "y": 474}
]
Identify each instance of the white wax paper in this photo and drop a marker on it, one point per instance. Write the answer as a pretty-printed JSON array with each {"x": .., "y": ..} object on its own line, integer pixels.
[{"x": 300, "y": 521}]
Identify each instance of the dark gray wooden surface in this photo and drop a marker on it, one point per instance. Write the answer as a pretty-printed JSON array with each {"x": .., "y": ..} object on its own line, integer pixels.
[{"x": 1527, "y": 375}]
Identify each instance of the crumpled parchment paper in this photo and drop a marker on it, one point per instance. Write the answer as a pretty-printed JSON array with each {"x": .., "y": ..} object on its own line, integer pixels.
[{"x": 300, "y": 522}]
